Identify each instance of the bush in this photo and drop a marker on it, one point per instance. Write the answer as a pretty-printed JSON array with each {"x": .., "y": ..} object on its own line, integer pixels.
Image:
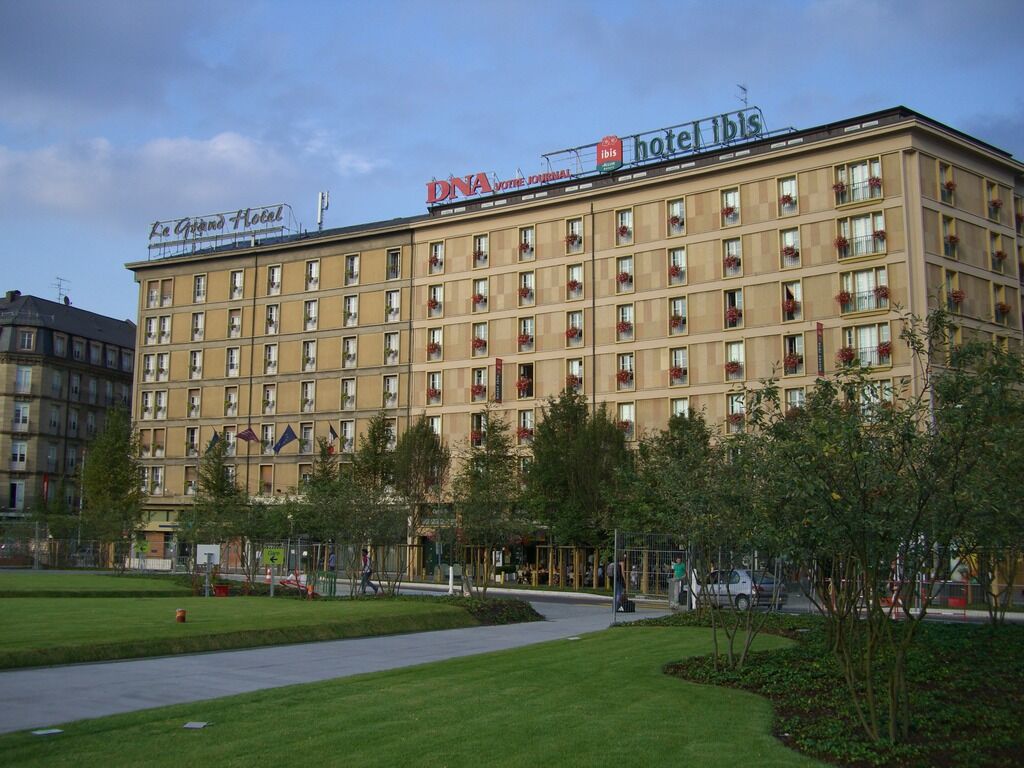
[{"x": 492, "y": 611}]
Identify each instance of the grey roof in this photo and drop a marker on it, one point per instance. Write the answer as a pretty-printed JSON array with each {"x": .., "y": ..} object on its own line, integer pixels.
[{"x": 42, "y": 313}]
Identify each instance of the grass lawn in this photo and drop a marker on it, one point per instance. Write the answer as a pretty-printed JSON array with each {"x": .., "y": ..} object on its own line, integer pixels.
[
  {"x": 43, "y": 584},
  {"x": 598, "y": 701},
  {"x": 64, "y": 630}
]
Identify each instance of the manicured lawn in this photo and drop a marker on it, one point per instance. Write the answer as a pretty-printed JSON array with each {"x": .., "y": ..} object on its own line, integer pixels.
[
  {"x": 63, "y": 630},
  {"x": 598, "y": 701},
  {"x": 43, "y": 584}
]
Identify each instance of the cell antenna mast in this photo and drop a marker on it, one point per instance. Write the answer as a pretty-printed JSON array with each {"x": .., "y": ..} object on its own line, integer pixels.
[
  {"x": 743, "y": 94},
  {"x": 60, "y": 283},
  {"x": 323, "y": 202}
]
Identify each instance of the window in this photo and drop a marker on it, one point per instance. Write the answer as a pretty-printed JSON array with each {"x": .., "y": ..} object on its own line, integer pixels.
[
  {"x": 75, "y": 385},
  {"x": 126, "y": 360},
  {"x": 111, "y": 357},
  {"x": 161, "y": 404},
  {"x": 680, "y": 406},
  {"x": 269, "y": 402},
  {"x": 273, "y": 319},
  {"x": 573, "y": 235},
  {"x": 23, "y": 379},
  {"x": 269, "y": 358},
  {"x": 950, "y": 241},
  {"x": 735, "y": 412},
  {"x": 21, "y": 416},
  {"x": 524, "y": 426},
  {"x": 789, "y": 248},
  {"x": 858, "y": 181},
  {"x": 191, "y": 481},
  {"x": 166, "y": 291},
  {"x": 947, "y": 186},
  {"x": 479, "y": 341},
  {"x": 194, "y": 399},
  {"x": 480, "y": 295},
  {"x": 677, "y": 266},
  {"x": 574, "y": 282},
  {"x": 477, "y": 429},
  {"x": 679, "y": 367},
  {"x": 730, "y": 206},
  {"x": 524, "y": 381},
  {"x": 92, "y": 390},
  {"x": 152, "y": 294},
  {"x": 624, "y": 322},
  {"x": 347, "y": 435},
  {"x": 993, "y": 202},
  {"x": 624, "y": 227},
  {"x": 861, "y": 236},
  {"x": 146, "y": 406},
  {"x": 237, "y": 283},
  {"x": 795, "y": 399},
  {"x": 305, "y": 437},
  {"x": 624, "y": 373},
  {"x": 574, "y": 374},
  {"x": 525, "y": 338},
  {"x": 26, "y": 340},
  {"x": 391, "y": 350},
  {"x": 274, "y": 280},
  {"x": 732, "y": 257},
  {"x": 57, "y": 382},
  {"x": 677, "y": 320},
  {"x": 198, "y": 325},
  {"x": 789, "y": 199},
  {"x": 869, "y": 344},
  {"x": 394, "y": 264},
  {"x": 54, "y": 418},
  {"x": 624, "y": 274},
  {"x": 348, "y": 394},
  {"x": 16, "y": 497},
  {"x": 627, "y": 420},
  {"x": 349, "y": 352},
  {"x": 1002, "y": 309},
  {"x": 95, "y": 353},
  {"x": 60, "y": 345},
  {"x": 793, "y": 354},
  {"x": 478, "y": 385},
  {"x": 234, "y": 323},
  {"x": 526, "y": 243},
  {"x": 526, "y": 289},
  {"x": 192, "y": 441},
  {"x": 232, "y": 359},
  {"x": 198, "y": 289},
  {"x": 434, "y": 388},
  {"x": 435, "y": 343},
  {"x": 574, "y": 329},
  {"x": 78, "y": 346},
  {"x": 350, "y": 310},
  {"x": 435, "y": 301},
  {"x": 312, "y": 275},
  {"x": 997, "y": 255},
  {"x": 309, "y": 315},
  {"x": 734, "y": 308},
  {"x": 230, "y": 401},
  {"x": 150, "y": 332},
  {"x": 195, "y": 364},
  {"x": 792, "y": 304},
  {"x": 435, "y": 262},
  {"x": 309, "y": 355},
  {"x": 676, "y": 217},
  {"x": 734, "y": 361},
  {"x": 352, "y": 269},
  {"x": 435, "y": 425},
  {"x": 267, "y": 438},
  {"x": 392, "y": 306},
  {"x": 954, "y": 296},
  {"x": 864, "y": 290}
]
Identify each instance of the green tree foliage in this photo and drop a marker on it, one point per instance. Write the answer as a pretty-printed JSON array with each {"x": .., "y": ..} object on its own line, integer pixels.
[
  {"x": 485, "y": 492},
  {"x": 110, "y": 486},
  {"x": 578, "y": 457},
  {"x": 421, "y": 464}
]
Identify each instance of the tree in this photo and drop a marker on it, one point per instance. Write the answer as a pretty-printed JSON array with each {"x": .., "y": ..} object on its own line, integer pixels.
[
  {"x": 485, "y": 492},
  {"x": 112, "y": 509},
  {"x": 421, "y": 464},
  {"x": 578, "y": 456}
]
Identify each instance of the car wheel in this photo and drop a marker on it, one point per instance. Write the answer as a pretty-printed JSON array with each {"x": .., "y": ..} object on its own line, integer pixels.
[{"x": 742, "y": 602}]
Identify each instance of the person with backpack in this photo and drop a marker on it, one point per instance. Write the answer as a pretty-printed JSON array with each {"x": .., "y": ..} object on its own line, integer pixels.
[{"x": 367, "y": 573}]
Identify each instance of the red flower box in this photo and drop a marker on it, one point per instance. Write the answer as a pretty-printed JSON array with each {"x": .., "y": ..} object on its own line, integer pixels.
[
  {"x": 433, "y": 304},
  {"x": 433, "y": 393},
  {"x": 1000, "y": 255},
  {"x": 676, "y": 321},
  {"x": 884, "y": 349},
  {"x": 676, "y": 372},
  {"x": 622, "y": 231},
  {"x": 792, "y": 361},
  {"x": 523, "y": 384},
  {"x": 524, "y": 433},
  {"x": 524, "y": 339},
  {"x": 731, "y": 262},
  {"x": 623, "y": 376},
  {"x": 733, "y": 367},
  {"x": 524, "y": 247},
  {"x": 572, "y": 333},
  {"x": 476, "y": 436},
  {"x": 995, "y": 203},
  {"x": 879, "y": 234},
  {"x": 571, "y": 382},
  {"x": 875, "y": 182},
  {"x": 785, "y": 200},
  {"x": 479, "y": 255},
  {"x": 839, "y": 187},
  {"x": 573, "y": 285},
  {"x": 675, "y": 271},
  {"x": 623, "y": 326},
  {"x": 841, "y": 242},
  {"x": 433, "y": 348},
  {"x": 790, "y": 251},
  {"x": 479, "y": 343},
  {"x": 957, "y": 296},
  {"x": 572, "y": 240},
  {"x": 845, "y": 355},
  {"x": 623, "y": 277},
  {"x": 524, "y": 292},
  {"x": 952, "y": 240},
  {"x": 950, "y": 186},
  {"x": 881, "y": 292},
  {"x": 735, "y": 418},
  {"x": 1003, "y": 308},
  {"x": 435, "y": 261},
  {"x": 478, "y": 390},
  {"x": 674, "y": 221},
  {"x": 625, "y": 425},
  {"x": 844, "y": 297},
  {"x": 733, "y": 315},
  {"x": 479, "y": 298},
  {"x": 728, "y": 212},
  {"x": 789, "y": 306}
]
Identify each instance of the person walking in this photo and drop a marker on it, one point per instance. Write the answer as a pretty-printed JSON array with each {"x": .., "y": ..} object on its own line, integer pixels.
[
  {"x": 367, "y": 573},
  {"x": 619, "y": 579}
]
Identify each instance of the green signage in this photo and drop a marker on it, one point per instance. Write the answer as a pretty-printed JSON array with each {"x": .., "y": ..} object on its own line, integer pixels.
[
  {"x": 142, "y": 547},
  {"x": 273, "y": 555}
]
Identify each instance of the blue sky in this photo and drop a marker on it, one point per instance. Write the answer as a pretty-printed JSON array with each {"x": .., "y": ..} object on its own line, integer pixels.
[{"x": 116, "y": 113}]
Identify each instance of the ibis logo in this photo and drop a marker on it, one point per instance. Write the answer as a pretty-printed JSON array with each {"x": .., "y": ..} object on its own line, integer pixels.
[{"x": 609, "y": 154}]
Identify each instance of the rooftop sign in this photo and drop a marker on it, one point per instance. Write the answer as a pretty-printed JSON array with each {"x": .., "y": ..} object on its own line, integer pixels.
[{"x": 178, "y": 235}]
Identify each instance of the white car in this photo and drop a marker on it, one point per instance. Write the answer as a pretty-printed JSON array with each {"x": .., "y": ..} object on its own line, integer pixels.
[{"x": 739, "y": 587}]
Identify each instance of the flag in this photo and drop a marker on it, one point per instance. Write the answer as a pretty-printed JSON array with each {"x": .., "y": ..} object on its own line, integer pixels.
[
  {"x": 248, "y": 435},
  {"x": 286, "y": 438},
  {"x": 213, "y": 441},
  {"x": 332, "y": 438}
]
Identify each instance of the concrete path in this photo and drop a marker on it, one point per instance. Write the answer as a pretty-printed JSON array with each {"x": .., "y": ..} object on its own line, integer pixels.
[{"x": 40, "y": 698}]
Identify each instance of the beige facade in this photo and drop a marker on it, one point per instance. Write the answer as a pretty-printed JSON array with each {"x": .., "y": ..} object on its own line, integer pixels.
[{"x": 655, "y": 290}]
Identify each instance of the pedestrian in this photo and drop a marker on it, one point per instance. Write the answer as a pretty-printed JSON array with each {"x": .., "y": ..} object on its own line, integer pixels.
[
  {"x": 331, "y": 562},
  {"x": 634, "y": 577},
  {"x": 619, "y": 580},
  {"x": 679, "y": 574},
  {"x": 367, "y": 573}
]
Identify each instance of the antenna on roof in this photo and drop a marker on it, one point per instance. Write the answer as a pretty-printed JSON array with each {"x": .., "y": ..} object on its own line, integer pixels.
[
  {"x": 323, "y": 202},
  {"x": 59, "y": 285},
  {"x": 743, "y": 94}
]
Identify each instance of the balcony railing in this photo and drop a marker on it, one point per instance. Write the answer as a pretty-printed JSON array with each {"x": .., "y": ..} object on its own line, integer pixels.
[
  {"x": 864, "y": 301},
  {"x": 866, "y": 245},
  {"x": 854, "y": 193}
]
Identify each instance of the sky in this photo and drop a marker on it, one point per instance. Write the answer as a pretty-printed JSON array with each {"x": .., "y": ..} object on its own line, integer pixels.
[{"x": 118, "y": 113}]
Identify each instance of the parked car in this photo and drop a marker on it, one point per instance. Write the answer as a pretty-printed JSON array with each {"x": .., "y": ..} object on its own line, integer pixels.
[{"x": 741, "y": 587}]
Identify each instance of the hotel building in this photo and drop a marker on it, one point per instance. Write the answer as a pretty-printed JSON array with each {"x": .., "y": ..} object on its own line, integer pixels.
[{"x": 654, "y": 288}]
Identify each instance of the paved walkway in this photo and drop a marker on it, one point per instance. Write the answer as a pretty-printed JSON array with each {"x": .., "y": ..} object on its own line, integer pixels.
[{"x": 39, "y": 698}]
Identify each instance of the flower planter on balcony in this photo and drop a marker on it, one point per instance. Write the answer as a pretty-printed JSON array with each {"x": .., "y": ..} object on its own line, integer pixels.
[
  {"x": 574, "y": 286},
  {"x": 845, "y": 355},
  {"x": 624, "y": 377},
  {"x": 733, "y": 315},
  {"x": 478, "y": 390},
  {"x": 479, "y": 344},
  {"x": 732, "y": 368},
  {"x": 623, "y": 328}
]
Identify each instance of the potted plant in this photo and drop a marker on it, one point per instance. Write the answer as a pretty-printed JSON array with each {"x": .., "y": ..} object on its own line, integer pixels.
[
  {"x": 624, "y": 376},
  {"x": 572, "y": 240},
  {"x": 476, "y": 436},
  {"x": 572, "y": 333},
  {"x": 625, "y": 425},
  {"x": 1000, "y": 255},
  {"x": 433, "y": 348},
  {"x": 957, "y": 296},
  {"x": 841, "y": 243},
  {"x": 676, "y": 322},
  {"x": 433, "y": 393},
  {"x": 478, "y": 390},
  {"x": 786, "y": 200},
  {"x": 874, "y": 182},
  {"x": 844, "y": 297},
  {"x": 881, "y": 292},
  {"x": 435, "y": 261},
  {"x": 731, "y": 262},
  {"x": 572, "y": 381},
  {"x": 952, "y": 240},
  {"x": 525, "y": 247},
  {"x": 790, "y": 251},
  {"x": 622, "y": 231},
  {"x": 433, "y": 304},
  {"x": 623, "y": 327},
  {"x": 950, "y": 186},
  {"x": 884, "y": 350},
  {"x": 728, "y": 212},
  {"x": 523, "y": 385},
  {"x": 839, "y": 187},
  {"x": 479, "y": 255},
  {"x": 573, "y": 286},
  {"x": 676, "y": 373},
  {"x": 790, "y": 306},
  {"x": 267, "y": 404},
  {"x": 524, "y": 433},
  {"x": 675, "y": 222},
  {"x": 479, "y": 298},
  {"x": 792, "y": 362},
  {"x": 733, "y": 315},
  {"x": 675, "y": 271},
  {"x": 524, "y": 339},
  {"x": 525, "y": 292},
  {"x": 845, "y": 355},
  {"x": 733, "y": 367},
  {"x": 479, "y": 343},
  {"x": 995, "y": 204},
  {"x": 735, "y": 419},
  {"x": 879, "y": 234},
  {"x": 623, "y": 278},
  {"x": 1002, "y": 308}
]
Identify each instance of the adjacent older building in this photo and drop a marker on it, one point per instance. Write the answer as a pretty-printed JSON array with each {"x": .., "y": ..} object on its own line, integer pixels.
[
  {"x": 657, "y": 287},
  {"x": 61, "y": 369}
]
